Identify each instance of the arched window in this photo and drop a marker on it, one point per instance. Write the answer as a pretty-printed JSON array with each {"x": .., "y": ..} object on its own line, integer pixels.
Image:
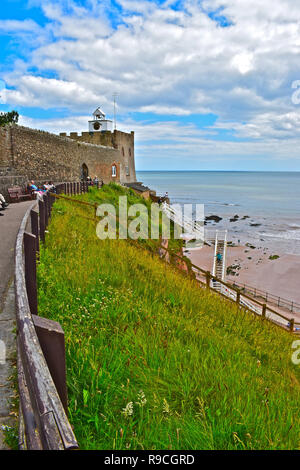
[
  {"x": 113, "y": 171},
  {"x": 123, "y": 153},
  {"x": 129, "y": 151}
]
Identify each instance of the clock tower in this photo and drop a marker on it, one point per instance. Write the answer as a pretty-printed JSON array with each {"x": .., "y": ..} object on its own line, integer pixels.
[{"x": 99, "y": 123}]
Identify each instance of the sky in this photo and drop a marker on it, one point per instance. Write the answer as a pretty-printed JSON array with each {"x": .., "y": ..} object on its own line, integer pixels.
[{"x": 205, "y": 84}]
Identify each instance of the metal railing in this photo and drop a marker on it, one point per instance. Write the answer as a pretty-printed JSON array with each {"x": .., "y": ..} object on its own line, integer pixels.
[
  {"x": 286, "y": 304},
  {"x": 233, "y": 294}
]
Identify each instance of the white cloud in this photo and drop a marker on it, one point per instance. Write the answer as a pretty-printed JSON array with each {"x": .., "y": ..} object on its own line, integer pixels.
[
  {"x": 166, "y": 61},
  {"x": 168, "y": 142}
]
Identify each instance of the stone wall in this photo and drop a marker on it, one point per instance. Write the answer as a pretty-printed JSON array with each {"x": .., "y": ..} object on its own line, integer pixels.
[
  {"x": 121, "y": 141},
  {"x": 28, "y": 154},
  {"x": 5, "y": 151}
]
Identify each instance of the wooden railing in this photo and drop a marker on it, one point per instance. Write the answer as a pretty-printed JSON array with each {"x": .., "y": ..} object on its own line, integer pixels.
[{"x": 44, "y": 423}]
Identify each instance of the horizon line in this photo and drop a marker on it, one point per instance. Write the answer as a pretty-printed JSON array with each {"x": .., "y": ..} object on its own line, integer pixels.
[{"x": 224, "y": 171}]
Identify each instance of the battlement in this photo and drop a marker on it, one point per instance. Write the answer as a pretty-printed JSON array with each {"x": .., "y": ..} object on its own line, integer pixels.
[{"x": 91, "y": 134}]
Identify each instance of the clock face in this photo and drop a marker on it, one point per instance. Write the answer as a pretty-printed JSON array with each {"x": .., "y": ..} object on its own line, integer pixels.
[{"x": 96, "y": 126}]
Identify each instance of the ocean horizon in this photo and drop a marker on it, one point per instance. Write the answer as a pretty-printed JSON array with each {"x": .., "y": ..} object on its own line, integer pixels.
[{"x": 267, "y": 203}]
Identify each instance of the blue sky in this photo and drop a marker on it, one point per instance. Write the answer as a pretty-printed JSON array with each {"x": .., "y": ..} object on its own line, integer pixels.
[{"x": 205, "y": 84}]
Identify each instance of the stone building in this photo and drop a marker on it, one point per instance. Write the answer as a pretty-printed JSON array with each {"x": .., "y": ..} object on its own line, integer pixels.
[
  {"x": 101, "y": 133},
  {"x": 28, "y": 154}
]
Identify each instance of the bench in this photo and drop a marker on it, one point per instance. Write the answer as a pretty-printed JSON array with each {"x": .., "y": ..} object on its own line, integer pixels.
[{"x": 16, "y": 194}]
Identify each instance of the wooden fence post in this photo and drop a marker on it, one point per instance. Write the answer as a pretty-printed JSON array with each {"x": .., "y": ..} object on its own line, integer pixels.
[
  {"x": 238, "y": 297},
  {"x": 42, "y": 220},
  {"x": 207, "y": 275},
  {"x": 30, "y": 271},
  {"x": 51, "y": 199},
  {"x": 52, "y": 340},
  {"x": 35, "y": 228},
  {"x": 264, "y": 309},
  {"x": 45, "y": 199},
  {"x": 292, "y": 324}
]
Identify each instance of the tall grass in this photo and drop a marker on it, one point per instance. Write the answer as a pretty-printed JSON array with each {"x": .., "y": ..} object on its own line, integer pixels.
[{"x": 154, "y": 361}]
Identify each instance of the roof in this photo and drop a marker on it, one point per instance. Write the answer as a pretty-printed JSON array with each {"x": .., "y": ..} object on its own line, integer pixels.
[{"x": 98, "y": 112}]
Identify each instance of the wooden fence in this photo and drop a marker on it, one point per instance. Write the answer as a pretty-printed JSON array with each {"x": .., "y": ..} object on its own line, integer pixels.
[{"x": 41, "y": 365}]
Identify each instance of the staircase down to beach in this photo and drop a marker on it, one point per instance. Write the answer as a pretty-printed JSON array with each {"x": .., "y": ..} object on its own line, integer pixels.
[{"x": 219, "y": 262}]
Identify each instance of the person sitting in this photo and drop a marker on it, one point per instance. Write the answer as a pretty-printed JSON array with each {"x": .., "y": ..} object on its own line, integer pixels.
[
  {"x": 46, "y": 186},
  {"x": 3, "y": 203},
  {"x": 52, "y": 188},
  {"x": 2, "y": 208},
  {"x": 35, "y": 190}
]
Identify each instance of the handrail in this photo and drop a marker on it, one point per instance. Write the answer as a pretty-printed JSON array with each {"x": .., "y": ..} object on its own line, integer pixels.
[
  {"x": 42, "y": 415},
  {"x": 264, "y": 308},
  {"x": 268, "y": 296}
]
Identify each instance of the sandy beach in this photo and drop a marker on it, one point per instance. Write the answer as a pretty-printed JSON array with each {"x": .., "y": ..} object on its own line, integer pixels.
[{"x": 252, "y": 266}]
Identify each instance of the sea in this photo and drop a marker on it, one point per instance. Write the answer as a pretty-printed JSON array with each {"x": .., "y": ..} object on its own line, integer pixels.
[{"x": 260, "y": 208}]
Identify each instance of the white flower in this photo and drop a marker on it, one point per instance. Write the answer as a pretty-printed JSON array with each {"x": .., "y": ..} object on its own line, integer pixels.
[
  {"x": 142, "y": 400},
  {"x": 166, "y": 407},
  {"x": 128, "y": 410}
]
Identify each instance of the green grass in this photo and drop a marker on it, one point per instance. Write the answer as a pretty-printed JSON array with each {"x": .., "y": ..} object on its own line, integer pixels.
[{"x": 154, "y": 361}]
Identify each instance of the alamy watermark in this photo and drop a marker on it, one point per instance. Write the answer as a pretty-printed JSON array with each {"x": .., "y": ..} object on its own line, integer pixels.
[
  {"x": 140, "y": 221},
  {"x": 296, "y": 353}
]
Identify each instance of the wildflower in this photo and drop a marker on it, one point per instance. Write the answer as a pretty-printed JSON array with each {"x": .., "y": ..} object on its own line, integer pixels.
[
  {"x": 128, "y": 410},
  {"x": 4, "y": 427},
  {"x": 166, "y": 407},
  {"x": 142, "y": 400}
]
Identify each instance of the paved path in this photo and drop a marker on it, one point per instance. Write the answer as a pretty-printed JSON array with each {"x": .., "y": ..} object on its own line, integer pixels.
[{"x": 9, "y": 226}]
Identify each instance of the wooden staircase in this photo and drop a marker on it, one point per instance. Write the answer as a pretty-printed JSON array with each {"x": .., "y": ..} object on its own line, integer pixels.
[{"x": 219, "y": 263}]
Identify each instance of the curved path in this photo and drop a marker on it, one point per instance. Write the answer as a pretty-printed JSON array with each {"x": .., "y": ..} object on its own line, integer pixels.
[{"x": 9, "y": 226}]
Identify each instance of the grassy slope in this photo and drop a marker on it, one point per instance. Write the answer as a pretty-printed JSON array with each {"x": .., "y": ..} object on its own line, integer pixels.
[{"x": 199, "y": 374}]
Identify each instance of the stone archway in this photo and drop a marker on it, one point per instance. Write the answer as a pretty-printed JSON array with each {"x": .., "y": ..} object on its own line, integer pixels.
[{"x": 84, "y": 172}]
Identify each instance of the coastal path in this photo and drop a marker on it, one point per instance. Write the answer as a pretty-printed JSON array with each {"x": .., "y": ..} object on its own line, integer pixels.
[{"x": 9, "y": 226}]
